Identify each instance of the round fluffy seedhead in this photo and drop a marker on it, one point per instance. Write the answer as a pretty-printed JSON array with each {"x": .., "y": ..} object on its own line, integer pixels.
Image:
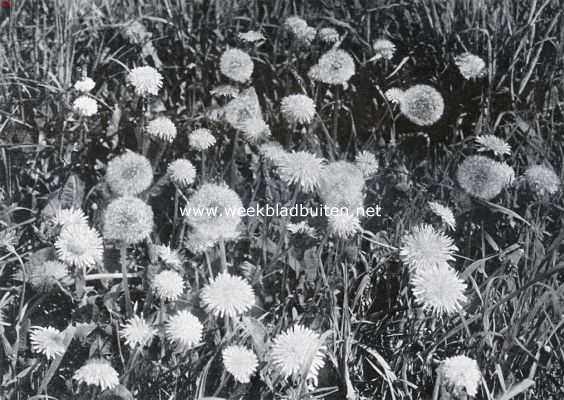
[
  {"x": 236, "y": 65},
  {"x": 85, "y": 106},
  {"x": 97, "y": 372},
  {"x": 542, "y": 180},
  {"x": 335, "y": 67},
  {"x": 145, "y": 80},
  {"x": 80, "y": 246},
  {"x": 182, "y": 172},
  {"x": 243, "y": 108},
  {"x": 483, "y": 177},
  {"x": 342, "y": 185},
  {"x": 129, "y": 174},
  {"x": 422, "y": 104},
  {"x": 162, "y": 128},
  {"x": 298, "y": 109},
  {"x": 301, "y": 168},
  {"x": 240, "y": 362},
  {"x": 438, "y": 289},
  {"x": 228, "y": 296},
  {"x": 301, "y": 31},
  {"x": 470, "y": 66},
  {"x": 128, "y": 220},
  {"x": 424, "y": 247}
]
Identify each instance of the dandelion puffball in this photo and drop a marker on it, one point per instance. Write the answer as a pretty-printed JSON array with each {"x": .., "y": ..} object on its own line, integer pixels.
[
  {"x": 542, "y": 180},
  {"x": 129, "y": 174},
  {"x": 182, "y": 172},
  {"x": 422, "y": 104},
  {"x": 128, "y": 220},
  {"x": 470, "y": 66},
  {"x": 483, "y": 177},
  {"x": 335, "y": 67}
]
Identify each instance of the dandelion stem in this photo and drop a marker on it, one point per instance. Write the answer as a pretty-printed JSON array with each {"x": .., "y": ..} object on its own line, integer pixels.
[
  {"x": 123, "y": 262},
  {"x": 222, "y": 255}
]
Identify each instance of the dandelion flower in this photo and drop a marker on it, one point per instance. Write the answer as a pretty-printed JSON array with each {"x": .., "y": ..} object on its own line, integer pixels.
[
  {"x": 129, "y": 174},
  {"x": 48, "y": 341},
  {"x": 482, "y": 177},
  {"x": 328, "y": 35},
  {"x": 85, "y": 106},
  {"x": 240, "y": 362},
  {"x": 470, "y": 66},
  {"x": 137, "y": 332},
  {"x": 273, "y": 152},
  {"x": 201, "y": 139},
  {"x": 162, "y": 128},
  {"x": 394, "y": 95},
  {"x": 462, "y": 373},
  {"x": 198, "y": 243},
  {"x": 542, "y": 180},
  {"x": 85, "y": 85},
  {"x": 46, "y": 275},
  {"x": 383, "y": 48},
  {"x": 80, "y": 246},
  {"x": 424, "y": 248},
  {"x": 184, "y": 329},
  {"x": 444, "y": 213},
  {"x": 492, "y": 143},
  {"x": 182, "y": 172},
  {"x": 168, "y": 255},
  {"x": 168, "y": 285},
  {"x": 301, "y": 168},
  {"x": 243, "y": 108},
  {"x": 228, "y": 296},
  {"x": 367, "y": 164},
  {"x": 251, "y": 36},
  {"x": 128, "y": 219},
  {"x": 228, "y": 91},
  {"x": 298, "y": 109},
  {"x": 342, "y": 185},
  {"x": 298, "y": 349},
  {"x": 335, "y": 67},
  {"x": 69, "y": 216},
  {"x": 236, "y": 65},
  {"x": 300, "y": 29},
  {"x": 255, "y": 129},
  {"x": 422, "y": 104},
  {"x": 301, "y": 227},
  {"x": 344, "y": 225},
  {"x": 146, "y": 80},
  {"x": 439, "y": 289},
  {"x": 98, "y": 372},
  {"x": 221, "y": 215}
]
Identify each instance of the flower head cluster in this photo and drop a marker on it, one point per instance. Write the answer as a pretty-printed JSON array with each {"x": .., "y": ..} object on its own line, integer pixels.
[
  {"x": 335, "y": 67},
  {"x": 344, "y": 225},
  {"x": 494, "y": 144},
  {"x": 48, "y": 341},
  {"x": 298, "y": 350},
  {"x": 299, "y": 28},
  {"x": 162, "y": 128},
  {"x": 182, "y": 172},
  {"x": 201, "y": 139},
  {"x": 298, "y": 108},
  {"x": 85, "y": 85},
  {"x": 342, "y": 185},
  {"x": 240, "y": 362},
  {"x": 129, "y": 174},
  {"x": 251, "y": 36},
  {"x": 462, "y": 373},
  {"x": 184, "y": 329},
  {"x": 422, "y": 104},
  {"x": 220, "y": 217},
  {"x": 542, "y": 180},
  {"x": 424, "y": 247},
  {"x": 438, "y": 289},
  {"x": 85, "y": 106},
  {"x": 79, "y": 245},
  {"x": 137, "y": 332},
  {"x": 128, "y": 220},
  {"x": 228, "y": 296},
  {"x": 236, "y": 65},
  {"x": 145, "y": 80},
  {"x": 328, "y": 35},
  {"x": 168, "y": 285},
  {"x": 98, "y": 372},
  {"x": 483, "y": 177},
  {"x": 243, "y": 108},
  {"x": 470, "y": 66},
  {"x": 383, "y": 49},
  {"x": 367, "y": 163},
  {"x": 301, "y": 168},
  {"x": 444, "y": 213}
]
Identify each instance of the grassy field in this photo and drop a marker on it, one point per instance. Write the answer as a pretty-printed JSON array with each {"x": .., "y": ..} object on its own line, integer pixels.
[{"x": 355, "y": 292}]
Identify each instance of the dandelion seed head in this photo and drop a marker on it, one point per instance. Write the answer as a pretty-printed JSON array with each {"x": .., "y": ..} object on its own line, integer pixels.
[
  {"x": 542, "y": 180},
  {"x": 162, "y": 128},
  {"x": 97, "y": 372},
  {"x": 342, "y": 185},
  {"x": 146, "y": 80},
  {"x": 424, "y": 247},
  {"x": 48, "y": 341},
  {"x": 240, "y": 362},
  {"x": 301, "y": 168},
  {"x": 422, "y": 104},
  {"x": 444, "y": 213},
  {"x": 300, "y": 29},
  {"x": 129, "y": 174},
  {"x": 243, "y": 108},
  {"x": 470, "y": 66},
  {"x": 184, "y": 329},
  {"x": 137, "y": 332},
  {"x": 492, "y": 143},
  {"x": 482, "y": 177},
  {"x": 335, "y": 67},
  {"x": 236, "y": 65},
  {"x": 128, "y": 220},
  {"x": 201, "y": 139},
  {"x": 367, "y": 163},
  {"x": 383, "y": 49},
  {"x": 80, "y": 246},
  {"x": 461, "y": 372},
  {"x": 298, "y": 109},
  {"x": 293, "y": 350},
  {"x": 168, "y": 285},
  {"x": 182, "y": 172},
  {"x": 438, "y": 289},
  {"x": 85, "y": 85},
  {"x": 228, "y": 296},
  {"x": 85, "y": 106}
]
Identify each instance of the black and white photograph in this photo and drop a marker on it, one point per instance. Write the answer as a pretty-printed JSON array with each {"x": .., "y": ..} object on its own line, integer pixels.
[{"x": 281, "y": 200}]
